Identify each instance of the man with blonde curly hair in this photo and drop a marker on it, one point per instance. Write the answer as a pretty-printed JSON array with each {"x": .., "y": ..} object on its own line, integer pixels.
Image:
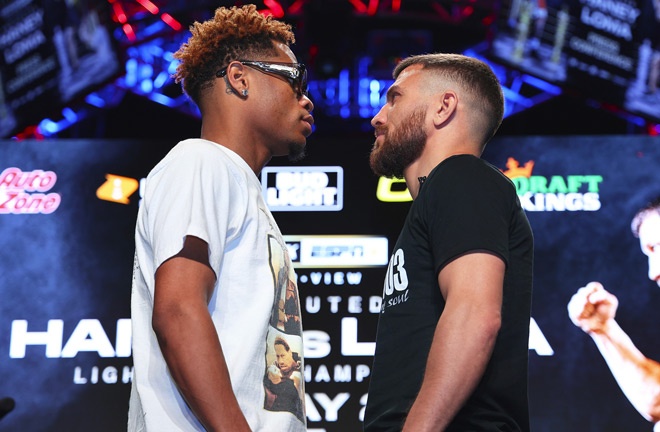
[{"x": 210, "y": 263}]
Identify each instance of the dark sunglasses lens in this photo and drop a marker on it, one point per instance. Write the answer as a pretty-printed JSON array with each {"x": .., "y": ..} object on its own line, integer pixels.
[{"x": 302, "y": 81}]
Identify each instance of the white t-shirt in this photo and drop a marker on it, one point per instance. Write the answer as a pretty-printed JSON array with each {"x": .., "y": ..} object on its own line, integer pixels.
[{"x": 205, "y": 190}]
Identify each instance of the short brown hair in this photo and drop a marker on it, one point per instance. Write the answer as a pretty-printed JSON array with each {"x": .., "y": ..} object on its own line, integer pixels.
[
  {"x": 472, "y": 76},
  {"x": 232, "y": 34},
  {"x": 643, "y": 213}
]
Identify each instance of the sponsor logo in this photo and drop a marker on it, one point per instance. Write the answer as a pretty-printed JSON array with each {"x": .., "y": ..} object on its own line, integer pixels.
[
  {"x": 392, "y": 190},
  {"x": 117, "y": 189},
  {"x": 303, "y": 188},
  {"x": 331, "y": 251},
  {"x": 23, "y": 192},
  {"x": 537, "y": 193},
  {"x": 553, "y": 193}
]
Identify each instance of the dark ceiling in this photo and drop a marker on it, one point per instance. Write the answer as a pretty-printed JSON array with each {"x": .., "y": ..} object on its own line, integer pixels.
[{"x": 338, "y": 33}]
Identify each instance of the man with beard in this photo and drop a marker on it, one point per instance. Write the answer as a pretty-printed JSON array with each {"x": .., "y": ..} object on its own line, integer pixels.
[
  {"x": 593, "y": 309},
  {"x": 452, "y": 342},
  {"x": 209, "y": 254}
]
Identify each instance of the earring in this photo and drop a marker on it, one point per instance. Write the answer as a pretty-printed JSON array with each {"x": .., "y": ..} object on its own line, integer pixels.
[{"x": 244, "y": 92}]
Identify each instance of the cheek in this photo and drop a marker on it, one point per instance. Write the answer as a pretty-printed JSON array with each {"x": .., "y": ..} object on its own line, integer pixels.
[{"x": 654, "y": 259}]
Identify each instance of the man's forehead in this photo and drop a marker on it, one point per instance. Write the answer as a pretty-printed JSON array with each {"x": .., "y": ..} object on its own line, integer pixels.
[
  {"x": 286, "y": 51},
  {"x": 649, "y": 229},
  {"x": 409, "y": 72}
]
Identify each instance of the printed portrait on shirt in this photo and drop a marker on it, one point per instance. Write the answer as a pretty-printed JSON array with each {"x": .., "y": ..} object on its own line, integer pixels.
[{"x": 283, "y": 379}]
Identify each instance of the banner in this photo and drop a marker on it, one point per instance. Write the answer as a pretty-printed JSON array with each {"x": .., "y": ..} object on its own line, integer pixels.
[{"x": 67, "y": 217}]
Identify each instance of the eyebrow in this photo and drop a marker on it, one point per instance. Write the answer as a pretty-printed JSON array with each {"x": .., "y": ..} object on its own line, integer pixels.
[{"x": 393, "y": 88}]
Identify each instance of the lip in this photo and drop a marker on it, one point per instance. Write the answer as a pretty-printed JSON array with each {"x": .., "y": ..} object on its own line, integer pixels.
[{"x": 309, "y": 119}]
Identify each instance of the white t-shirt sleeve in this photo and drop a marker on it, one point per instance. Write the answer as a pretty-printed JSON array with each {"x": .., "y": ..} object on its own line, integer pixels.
[{"x": 194, "y": 193}]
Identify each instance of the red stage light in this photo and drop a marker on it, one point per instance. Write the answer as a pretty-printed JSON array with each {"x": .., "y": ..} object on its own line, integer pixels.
[
  {"x": 128, "y": 31},
  {"x": 152, "y": 8},
  {"x": 359, "y": 6},
  {"x": 167, "y": 18},
  {"x": 275, "y": 8}
]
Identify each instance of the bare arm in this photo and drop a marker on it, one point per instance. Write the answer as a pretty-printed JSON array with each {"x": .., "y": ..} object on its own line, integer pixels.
[
  {"x": 593, "y": 309},
  {"x": 189, "y": 341},
  {"x": 463, "y": 341}
]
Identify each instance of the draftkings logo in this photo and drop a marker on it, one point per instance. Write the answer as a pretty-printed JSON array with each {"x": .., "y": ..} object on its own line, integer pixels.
[
  {"x": 553, "y": 193},
  {"x": 303, "y": 188},
  {"x": 25, "y": 192},
  {"x": 117, "y": 189}
]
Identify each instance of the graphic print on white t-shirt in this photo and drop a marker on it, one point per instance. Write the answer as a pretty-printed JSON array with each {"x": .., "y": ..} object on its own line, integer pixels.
[
  {"x": 395, "y": 288},
  {"x": 283, "y": 379}
]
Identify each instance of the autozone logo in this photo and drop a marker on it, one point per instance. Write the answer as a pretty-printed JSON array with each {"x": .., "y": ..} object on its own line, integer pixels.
[
  {"x": 303, "y": 188},
  {"x": 23, "y": 192}
]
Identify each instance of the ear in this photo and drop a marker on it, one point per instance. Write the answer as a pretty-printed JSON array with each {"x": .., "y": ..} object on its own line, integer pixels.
[
  {"x": 236, "y": 79},
  {"x": 446, "y": 103}
]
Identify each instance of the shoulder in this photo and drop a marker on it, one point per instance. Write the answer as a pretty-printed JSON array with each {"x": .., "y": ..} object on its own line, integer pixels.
[
  {"x": 468, "y": 171},
  {"x": 199, "y": 157},
  {"x": 195, "y": 150},
  {"x": 466, "y": 165}
]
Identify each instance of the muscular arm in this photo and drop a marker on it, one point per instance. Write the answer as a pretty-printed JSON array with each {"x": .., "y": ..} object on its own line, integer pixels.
[
  {"x": 463, "y": 341},
  {"x": 189, "y": 341},
  {"x": 593, "y": 309}
]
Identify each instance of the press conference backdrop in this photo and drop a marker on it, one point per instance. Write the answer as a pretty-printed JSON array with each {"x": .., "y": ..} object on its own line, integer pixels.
[{"x": 67, "y": 215}]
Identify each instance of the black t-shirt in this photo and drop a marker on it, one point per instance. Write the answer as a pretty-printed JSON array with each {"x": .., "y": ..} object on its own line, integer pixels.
[{"x": 465, "y": 205}]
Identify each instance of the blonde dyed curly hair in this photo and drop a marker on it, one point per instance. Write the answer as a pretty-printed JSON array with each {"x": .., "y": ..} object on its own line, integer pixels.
[{"x": 232, "y": 34}]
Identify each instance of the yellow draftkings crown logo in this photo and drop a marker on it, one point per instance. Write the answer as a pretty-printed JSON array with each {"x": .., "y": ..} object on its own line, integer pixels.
[
  {"x": 117, "y": 189},
  {"x": 514, "y": 170}
]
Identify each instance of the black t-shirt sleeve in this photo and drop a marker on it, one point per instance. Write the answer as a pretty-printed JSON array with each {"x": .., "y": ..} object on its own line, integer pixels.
[{"x": 468, "y": 209}]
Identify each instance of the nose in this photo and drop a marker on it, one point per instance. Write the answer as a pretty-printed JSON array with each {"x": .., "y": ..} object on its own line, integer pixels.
[
  {"x": 307, "y": 103},
  {"x": 380, "y": 118},
  {"x": 654, "y": 266}
]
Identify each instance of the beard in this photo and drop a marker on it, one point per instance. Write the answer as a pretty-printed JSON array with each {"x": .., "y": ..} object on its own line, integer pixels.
[
  {"x": 401, "y": 147},
  {"x": 296, "y": 152}
]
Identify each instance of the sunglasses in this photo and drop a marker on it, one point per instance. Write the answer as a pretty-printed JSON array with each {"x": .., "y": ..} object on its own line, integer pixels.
[{"x": 294, "y": 73}]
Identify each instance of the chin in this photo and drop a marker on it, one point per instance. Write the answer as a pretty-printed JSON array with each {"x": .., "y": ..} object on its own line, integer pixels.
[{"x": 296, "y": 151}]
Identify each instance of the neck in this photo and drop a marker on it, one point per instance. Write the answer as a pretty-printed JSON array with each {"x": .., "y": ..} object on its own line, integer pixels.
[
  {"x": 432, "y": 155},
  {"x": 239, "y": 141}
]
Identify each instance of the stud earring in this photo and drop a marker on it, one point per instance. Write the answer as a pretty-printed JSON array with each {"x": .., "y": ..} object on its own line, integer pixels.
[{"x": 244, "y": 92}]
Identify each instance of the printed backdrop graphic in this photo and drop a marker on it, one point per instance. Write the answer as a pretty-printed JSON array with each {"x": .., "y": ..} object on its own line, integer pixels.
[
  {"x": 67, "y": 215},
  {"x": 53, "y": 51},
  {"x": 573, "y": 390},
  {"x": 608, "y": 50}
]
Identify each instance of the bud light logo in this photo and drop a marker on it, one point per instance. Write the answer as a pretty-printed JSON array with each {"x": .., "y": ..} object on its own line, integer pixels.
[{"x": 303, "y": 188}]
